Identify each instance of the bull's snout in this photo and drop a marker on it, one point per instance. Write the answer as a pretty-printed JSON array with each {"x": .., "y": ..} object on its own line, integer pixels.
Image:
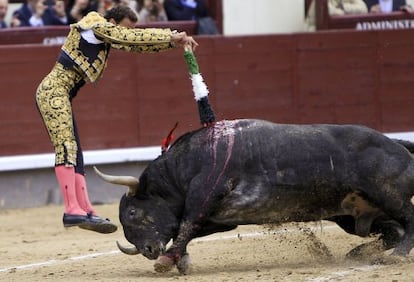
[{"x": 153, "y": 250}]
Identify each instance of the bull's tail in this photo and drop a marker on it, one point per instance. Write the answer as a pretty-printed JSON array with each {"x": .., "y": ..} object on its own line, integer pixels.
[
  {"x": 200, "y": 90},
  {"x": 407, "y": 144}
]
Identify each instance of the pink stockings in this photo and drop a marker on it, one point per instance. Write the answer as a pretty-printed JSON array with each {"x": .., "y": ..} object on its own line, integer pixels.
[
  {"x": 82, "y": 194},
  {"x": 74, "y": 191}
]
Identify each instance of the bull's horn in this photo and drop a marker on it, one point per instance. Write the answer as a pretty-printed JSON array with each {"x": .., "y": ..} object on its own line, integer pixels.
[
  {"x": 130, "y": 181},
  {"x": 127, "y": 250}
]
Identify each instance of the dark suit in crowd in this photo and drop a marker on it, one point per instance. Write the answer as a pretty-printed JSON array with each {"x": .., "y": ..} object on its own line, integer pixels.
[
  {"x": 178, "y": 10},
  {"x": 397, "y": 4},
  {"x": 49, "y": 17}
]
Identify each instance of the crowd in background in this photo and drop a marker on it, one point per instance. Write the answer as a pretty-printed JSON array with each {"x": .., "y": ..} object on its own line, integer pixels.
[
  {"x": 347, "y": 7},
  {"x": 64, "y": 12},
  {"x": 38, "y": 13}
]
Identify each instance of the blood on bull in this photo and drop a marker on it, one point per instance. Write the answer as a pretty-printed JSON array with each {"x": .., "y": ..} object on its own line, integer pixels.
[
  {"x": 256, "y": 172},
  {"x": 249, "y": 171}
]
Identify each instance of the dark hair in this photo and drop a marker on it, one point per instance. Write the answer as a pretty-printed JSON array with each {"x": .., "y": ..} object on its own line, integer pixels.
[{"x": 118, "y": 13}]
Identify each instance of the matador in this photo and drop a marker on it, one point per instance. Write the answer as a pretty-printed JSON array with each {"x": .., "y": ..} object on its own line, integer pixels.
[{"x": 83, "y": 59}]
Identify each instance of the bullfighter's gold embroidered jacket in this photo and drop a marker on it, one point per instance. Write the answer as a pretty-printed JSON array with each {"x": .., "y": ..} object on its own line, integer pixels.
[{"x": 90, "y": 59}]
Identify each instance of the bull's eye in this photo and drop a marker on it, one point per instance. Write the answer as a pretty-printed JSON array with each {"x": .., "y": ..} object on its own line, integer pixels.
[
  {"x": 131, "y": 213},
  {"x": 134, "y": 214}
]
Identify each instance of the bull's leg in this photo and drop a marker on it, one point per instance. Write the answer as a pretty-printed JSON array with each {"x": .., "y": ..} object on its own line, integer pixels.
[
  {"x": 407, "y": 243},
  {"x": 395, "y": 202},
  {"x": 201, "y": 202},
  {"x": 177, "y": 253},
  {"x": 391, "y": 232},
  {"x": 391, "y": 189},
  {"x": 398, "y": 207}
]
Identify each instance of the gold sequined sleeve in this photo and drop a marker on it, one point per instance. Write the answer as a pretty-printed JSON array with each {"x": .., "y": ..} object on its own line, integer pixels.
[{"x": 134, "y": 39}]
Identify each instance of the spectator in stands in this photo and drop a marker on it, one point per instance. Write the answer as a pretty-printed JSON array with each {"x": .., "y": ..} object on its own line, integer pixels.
[
  {"x": 185, "y": 10},
  {"x": 151, "y": 11},
  {"x": 109, "y": 4},
  {"x": 335, "y": 8},
  {"x": 77, "y": 9},
  {"x": 40, "y": 13},
  {"x": 83, "y": 59},
  {"x": 386, "y": 6},
  {"x": 133, "y": 4},
  {"x": 342, "y": 7},
  {"x": 4, "y": 5}
]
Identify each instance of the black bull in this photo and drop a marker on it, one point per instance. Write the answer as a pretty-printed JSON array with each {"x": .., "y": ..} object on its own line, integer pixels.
[{"x": 257, "y": 172}]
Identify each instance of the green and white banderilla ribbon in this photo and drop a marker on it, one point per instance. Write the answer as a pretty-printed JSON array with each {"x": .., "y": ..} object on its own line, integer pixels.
[{"x": 200, "y": 89}]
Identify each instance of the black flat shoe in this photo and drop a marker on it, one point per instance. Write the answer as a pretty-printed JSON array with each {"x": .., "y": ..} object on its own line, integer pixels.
[
  {"x": 89, "y": 222},
  {"x": 98, "y": 224},
  {"x": 70, "y": 220}
]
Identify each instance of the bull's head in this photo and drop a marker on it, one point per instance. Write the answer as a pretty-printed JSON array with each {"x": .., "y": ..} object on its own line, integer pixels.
[{"x": 147, "y": 221}]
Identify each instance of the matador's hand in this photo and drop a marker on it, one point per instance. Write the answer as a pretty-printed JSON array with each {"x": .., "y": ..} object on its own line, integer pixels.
[{"x": 181, "y": 38}]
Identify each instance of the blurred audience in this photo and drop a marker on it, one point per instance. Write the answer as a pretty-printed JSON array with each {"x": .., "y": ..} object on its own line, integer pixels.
[
  {"x": 151, "y": 11},
  {"x": 386, "y": 6},
  {"x": 77, "y": 9},
  {"x": 132, "y": 4},
  {"x": 185, "y": 10},
  {"x": 4, "y": 5},
  {"x": 336, "y": 7},
  {"x": 106, "y": 5},
  {"x": 40, "y": 13},
  {"x": 342, "y": 7}
]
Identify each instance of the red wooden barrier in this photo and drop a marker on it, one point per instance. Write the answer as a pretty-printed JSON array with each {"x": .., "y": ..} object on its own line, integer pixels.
[{"x": 343, "y": 77}]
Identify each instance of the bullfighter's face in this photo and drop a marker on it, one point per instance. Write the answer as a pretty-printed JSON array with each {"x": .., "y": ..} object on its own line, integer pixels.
[{"x": 148, "y": 224}]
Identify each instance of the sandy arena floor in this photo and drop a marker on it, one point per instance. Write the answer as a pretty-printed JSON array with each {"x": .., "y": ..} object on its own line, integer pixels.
[{"x": 34, "y": 246}]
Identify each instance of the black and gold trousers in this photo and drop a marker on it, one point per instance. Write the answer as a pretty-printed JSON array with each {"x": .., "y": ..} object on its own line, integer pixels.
[{"x": 54, "y": 101}]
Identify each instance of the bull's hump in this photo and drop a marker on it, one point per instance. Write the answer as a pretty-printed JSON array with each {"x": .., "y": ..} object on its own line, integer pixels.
[{"x": 227, "y": 127}]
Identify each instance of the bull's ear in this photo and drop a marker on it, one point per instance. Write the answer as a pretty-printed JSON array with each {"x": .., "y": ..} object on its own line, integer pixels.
[{"x": 130, "y": 181}]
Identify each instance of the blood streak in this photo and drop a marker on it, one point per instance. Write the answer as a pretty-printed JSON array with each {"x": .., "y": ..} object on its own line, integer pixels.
[{"x": 224, "y": 132}]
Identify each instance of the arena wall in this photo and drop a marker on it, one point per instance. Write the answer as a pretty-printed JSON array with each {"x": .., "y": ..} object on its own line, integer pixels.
[{"x": 325, "y": 77}]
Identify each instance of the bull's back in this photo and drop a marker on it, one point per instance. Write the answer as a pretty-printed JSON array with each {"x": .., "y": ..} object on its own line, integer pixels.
[
  {"x": 294, "y": 153},
  {"x": 284, "y": 172},
  {"x": 289, "y": 154}
]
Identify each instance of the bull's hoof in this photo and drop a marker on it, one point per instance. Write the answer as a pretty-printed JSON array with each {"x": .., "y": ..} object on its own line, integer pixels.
[
  {"x": 366, "y": 250},
  {"x": 388, "y": 260},
  {"x": 401, "y": 250},
  {"x": 183, "y": 264},
  {"x": 164, "y": 264}
]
